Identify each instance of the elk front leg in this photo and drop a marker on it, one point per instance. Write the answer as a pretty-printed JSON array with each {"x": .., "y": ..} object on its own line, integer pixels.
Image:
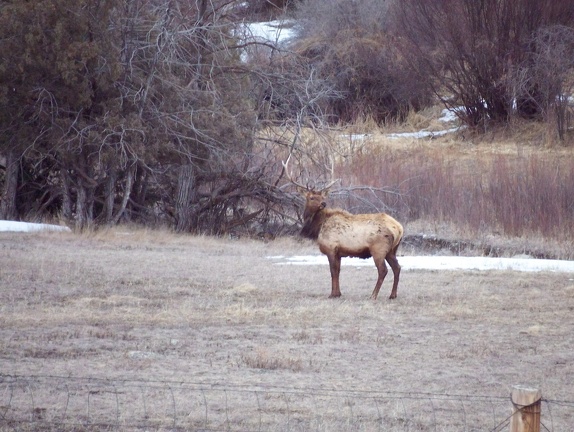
[{"x": 335, "y": 266}]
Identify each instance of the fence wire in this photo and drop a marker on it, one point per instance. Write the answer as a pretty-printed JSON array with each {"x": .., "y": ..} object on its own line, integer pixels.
[{"x": 53, "y": 403}]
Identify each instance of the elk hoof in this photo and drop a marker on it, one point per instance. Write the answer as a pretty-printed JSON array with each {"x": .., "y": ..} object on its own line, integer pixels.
[
  {"x": 392, "y": 296},
  {"x": 335, "y": 295}
]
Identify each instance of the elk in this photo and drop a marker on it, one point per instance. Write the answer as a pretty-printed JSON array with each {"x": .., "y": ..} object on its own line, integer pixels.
[{"x": 342, "y": 234}]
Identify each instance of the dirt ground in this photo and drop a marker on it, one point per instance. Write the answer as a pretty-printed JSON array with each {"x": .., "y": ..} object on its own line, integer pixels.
[{"x": 128, "y": 321}]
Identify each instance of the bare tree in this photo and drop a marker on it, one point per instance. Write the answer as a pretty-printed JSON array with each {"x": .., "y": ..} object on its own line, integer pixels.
[
  {"x": 8, "y": 204},
  {"x": 467, "y": 50},
  {"x": 349, "y": 45},
  {"x": 544, "y": 79}
]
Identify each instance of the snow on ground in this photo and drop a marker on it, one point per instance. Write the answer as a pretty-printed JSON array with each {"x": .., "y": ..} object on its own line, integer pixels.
[
  {"x": 441, "y": 263},
  {"x": 271, "y": 31},
  {"x": 449, "y": 115},
  {"x": 422, "y": 133},
  {"x": 274, "y": 33},
  {"x": 14, "y": 226}
]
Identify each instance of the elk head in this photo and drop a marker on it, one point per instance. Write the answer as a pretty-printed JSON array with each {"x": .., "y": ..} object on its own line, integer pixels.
[{"x": 315, "y": 200}]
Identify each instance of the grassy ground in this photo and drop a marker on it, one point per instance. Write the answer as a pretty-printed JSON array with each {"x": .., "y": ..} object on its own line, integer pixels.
[{"x": 239, "y": 337}]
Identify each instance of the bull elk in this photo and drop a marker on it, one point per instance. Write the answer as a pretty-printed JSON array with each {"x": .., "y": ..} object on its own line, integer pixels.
[{"x": 342, "y": 234}]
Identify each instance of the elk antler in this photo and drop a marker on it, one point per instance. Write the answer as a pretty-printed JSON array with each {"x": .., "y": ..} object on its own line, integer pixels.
[
  {"x": 329, "y": 186},
  {"x": 299, "y": 185},
  {"x": 331, "y": 170},
  {"x": 286, "y": 169}
]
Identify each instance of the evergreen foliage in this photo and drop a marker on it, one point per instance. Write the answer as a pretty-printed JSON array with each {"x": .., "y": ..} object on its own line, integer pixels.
[{"x": 104, "y": 101}]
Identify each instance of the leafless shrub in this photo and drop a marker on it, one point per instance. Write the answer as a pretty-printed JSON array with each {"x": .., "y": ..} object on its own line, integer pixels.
[
  {"x": 349, "y": 46},
  {"x": 514, "y": 196},
  {"x": 544, "y": 79},
  {"x": 467, "y": 49}
]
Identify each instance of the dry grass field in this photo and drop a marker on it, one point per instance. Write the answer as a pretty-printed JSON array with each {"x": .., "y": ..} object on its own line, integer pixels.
[{"x": 133, "y": 329}]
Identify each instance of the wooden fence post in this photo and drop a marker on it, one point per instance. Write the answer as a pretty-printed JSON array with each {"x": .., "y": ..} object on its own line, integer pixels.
[{"x": 526, "y": 404}]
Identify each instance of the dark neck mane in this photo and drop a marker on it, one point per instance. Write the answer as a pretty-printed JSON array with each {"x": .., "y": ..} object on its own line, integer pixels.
[{"x": 312, "y": 226}]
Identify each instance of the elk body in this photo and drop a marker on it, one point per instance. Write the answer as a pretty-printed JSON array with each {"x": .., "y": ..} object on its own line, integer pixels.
[{"x": 342, "y": 234}]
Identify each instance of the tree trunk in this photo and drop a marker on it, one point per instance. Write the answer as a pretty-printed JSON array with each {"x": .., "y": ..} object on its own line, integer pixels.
[
  {"x": 185, "y": 197},
  {"x": 81, "y": 208},
  {"x": 84, "y": 207},
  {"x": 8, "y": 205},
  {"x": 110, "y": 196},
  {"x": 138, "y": 208},
  {"x": 90, "y": 197},
  {"x": 66, "y": 195},
  {"x": 127, "y": 192}
]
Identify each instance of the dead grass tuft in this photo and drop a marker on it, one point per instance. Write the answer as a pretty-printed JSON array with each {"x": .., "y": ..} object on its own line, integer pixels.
[
  {"x": 244, "y": 290},
  {"x": 363, "y": 125},
  {"x": 261, "y": 358}
]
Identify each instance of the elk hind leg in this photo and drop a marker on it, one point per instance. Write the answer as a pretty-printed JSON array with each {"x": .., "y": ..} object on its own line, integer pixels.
[
  {"x": 394, "y": 263},
  {"x": 382, "y": 269}
]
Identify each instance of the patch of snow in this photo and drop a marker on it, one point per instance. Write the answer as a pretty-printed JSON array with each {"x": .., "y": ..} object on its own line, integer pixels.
[
  {"x": 271, "y": 31},
  {"x": 422, "y": 133},
  {"x": 14, "y": 226},
  {"x": 448, "y": 115},
  {"x": 275, "y": 33},
  {"x": 356, "y": 137},
  {"x": 443, "y": 263}
]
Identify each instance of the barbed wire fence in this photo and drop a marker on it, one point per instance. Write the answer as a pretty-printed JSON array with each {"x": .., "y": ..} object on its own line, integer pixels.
[{"x": 50, "y": 403}]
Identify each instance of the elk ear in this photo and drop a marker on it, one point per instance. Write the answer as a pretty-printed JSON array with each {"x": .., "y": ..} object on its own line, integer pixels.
[
  {"x": 302, "y": 190},
  {"x": 323, "y": 205}
]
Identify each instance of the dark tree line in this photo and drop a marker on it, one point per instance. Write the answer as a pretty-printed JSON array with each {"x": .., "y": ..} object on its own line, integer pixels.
[
  {"x": 146, "y": 111},
  {"x": 133, "y": 111}
]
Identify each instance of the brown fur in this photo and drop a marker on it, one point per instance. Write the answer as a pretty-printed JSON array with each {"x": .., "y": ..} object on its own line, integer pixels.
[{"x": 342, "y": 234}]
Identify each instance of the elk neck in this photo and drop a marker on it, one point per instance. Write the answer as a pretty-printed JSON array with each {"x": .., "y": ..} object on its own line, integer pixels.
[{"x": 313, "y": 223}]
